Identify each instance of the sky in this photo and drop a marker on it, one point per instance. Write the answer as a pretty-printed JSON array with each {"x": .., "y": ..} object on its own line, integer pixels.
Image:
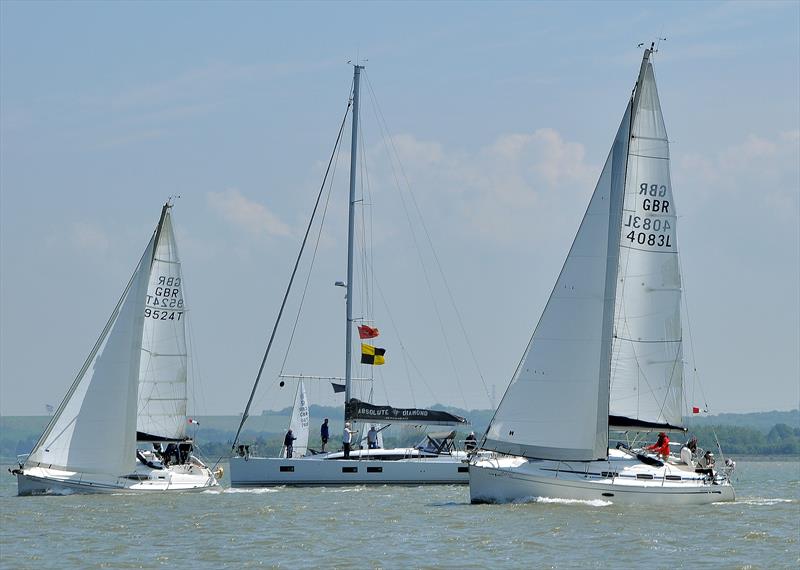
[{"x": 499, "y": 117}]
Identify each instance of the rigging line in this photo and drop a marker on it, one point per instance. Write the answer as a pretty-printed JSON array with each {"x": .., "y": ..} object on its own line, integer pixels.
[
  {"x": 246, "y": 412},
  {"x": 419, "y": 254},
  {"x": 313, "y": 257},
  {"x": 433, "y": 250}
]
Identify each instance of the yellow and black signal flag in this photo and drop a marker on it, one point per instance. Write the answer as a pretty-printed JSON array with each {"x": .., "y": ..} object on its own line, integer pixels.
[{"x": 372, "y": 355}]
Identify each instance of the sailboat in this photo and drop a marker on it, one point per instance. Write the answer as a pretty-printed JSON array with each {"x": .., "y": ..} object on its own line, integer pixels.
[
  {"x": 607, "y": 354},
  {"x": 122, "y": 425},
  {"x": 435, "y": 460}
]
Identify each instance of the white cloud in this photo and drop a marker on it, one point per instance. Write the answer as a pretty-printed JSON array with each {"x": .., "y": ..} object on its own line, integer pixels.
[
  {"x": 88, "y": 238},
  {"x": 246, "y": 214},
  {"x": 764, "y": 171},
  {"x": 514, "y": 189}
]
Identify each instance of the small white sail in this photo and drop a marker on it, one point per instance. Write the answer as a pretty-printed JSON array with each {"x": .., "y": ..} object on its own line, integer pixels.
[
  {"x": 162, "y": 378},
  {"x": 556, "y": 406},
  {"x": 647, "y": 362},
  {"x": 94, "y": 428},
  {"x": 299, "y": 422}
]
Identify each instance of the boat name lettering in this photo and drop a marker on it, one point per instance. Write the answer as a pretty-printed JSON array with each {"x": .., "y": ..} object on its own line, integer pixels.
[{"x": 392, "y": 412}]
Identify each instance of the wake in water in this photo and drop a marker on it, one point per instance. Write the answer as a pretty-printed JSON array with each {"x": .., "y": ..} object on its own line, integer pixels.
[
  {"x": 258, "y": 491},
  {"x": 549, "y": 500},
  {"x": 758, "y": 502}
]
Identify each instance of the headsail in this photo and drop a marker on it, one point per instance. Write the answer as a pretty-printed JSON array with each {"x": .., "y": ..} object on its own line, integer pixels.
[
  {"x": 299, "y": 422},
  {"x": 647, "y": 361},
  {"x": 94, "y": 428},
  {"x": 162, "y": 378}
]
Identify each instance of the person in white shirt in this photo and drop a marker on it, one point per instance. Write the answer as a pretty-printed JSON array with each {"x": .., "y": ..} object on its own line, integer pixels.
[{"x": 347, "y": 438}]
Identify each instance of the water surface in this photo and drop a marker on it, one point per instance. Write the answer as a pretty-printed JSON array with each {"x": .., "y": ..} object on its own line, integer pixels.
[{"x": 400, "y": 527}]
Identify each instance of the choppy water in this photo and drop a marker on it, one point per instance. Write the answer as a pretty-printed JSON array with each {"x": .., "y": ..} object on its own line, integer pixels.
[{"x": 400, "y": 527}]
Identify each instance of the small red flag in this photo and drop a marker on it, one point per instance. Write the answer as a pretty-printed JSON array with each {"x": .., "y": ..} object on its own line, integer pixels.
[
  {"x": 367, "y": 332},
  {"x": 695, "y": 410}
]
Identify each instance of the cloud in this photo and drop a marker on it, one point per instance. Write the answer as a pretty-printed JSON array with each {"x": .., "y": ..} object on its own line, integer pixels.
[
  {"x": 250, "y": 216},
  {"x": 763, "y": 170},
  {"x": 88, "y": 238},
  {"x": 511, "y": 190}
]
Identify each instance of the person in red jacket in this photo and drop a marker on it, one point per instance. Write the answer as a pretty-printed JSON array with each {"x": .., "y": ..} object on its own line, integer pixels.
[{"x": 661, "y": 446}]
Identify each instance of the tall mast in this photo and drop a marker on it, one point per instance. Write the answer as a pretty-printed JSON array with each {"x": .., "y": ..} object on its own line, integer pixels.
[{"x": 351, "y": 239}]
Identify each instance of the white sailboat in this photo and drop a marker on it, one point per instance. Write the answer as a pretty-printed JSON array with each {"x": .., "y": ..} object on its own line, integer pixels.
[
  {"x": 607, "y": 352},
  {"x": 132, "y": 387},
  {"x": 435, "y": 460}
]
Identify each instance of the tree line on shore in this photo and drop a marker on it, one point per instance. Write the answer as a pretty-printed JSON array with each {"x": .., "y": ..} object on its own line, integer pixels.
[{"x": 740, "y": 434}]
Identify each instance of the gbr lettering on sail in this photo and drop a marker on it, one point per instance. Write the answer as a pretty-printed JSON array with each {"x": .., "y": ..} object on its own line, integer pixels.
[{"x": 649, "y": 224}]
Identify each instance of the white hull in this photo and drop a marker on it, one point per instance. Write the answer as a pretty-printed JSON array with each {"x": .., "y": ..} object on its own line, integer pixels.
[
  {"x": 48, "y": 481},
  {"x": 327, "y": 470},
  {"x": 620, "y": 480}
]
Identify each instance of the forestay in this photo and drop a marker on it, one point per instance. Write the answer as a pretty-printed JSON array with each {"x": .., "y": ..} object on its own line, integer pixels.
[
  {"x": 647, "y": 361},
  {"x": 94, "y": 428},
  {"x": 162, "y": 380}
]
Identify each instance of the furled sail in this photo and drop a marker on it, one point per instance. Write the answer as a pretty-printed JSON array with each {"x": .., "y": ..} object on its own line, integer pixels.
[
  {"x": 647, "y": 356},
  {"x": 299, "y": 422},
  {"x": 358, "y": 410},
  {"x": 556, "y": 406},
  {"x": 162, "y": 376},
  {"x": 94, "y": 428}
]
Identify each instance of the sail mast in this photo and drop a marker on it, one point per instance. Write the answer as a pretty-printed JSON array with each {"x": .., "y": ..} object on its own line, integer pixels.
[{"x": 351, "y": 238}]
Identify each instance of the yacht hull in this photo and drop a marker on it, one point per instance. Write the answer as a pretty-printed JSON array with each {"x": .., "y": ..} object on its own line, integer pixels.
[
  {"x": 47, "y": 481},
  {"x": 311, "y": 471},
  {"x": 514, "y": 479}
]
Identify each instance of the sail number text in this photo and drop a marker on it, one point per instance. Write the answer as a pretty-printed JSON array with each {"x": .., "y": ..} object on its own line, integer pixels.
[
  {"x": 647, "y": 230},
  {"x": 165, "y": 296}
]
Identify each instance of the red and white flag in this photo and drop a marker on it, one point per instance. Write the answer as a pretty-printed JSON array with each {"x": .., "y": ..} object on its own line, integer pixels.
[
  {"x": 695, "y": 410},
  {"x": 365, "y": 331}
]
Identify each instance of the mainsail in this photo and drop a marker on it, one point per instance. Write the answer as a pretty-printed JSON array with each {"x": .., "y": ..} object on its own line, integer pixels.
[
  {"x": 607, "y": 349},
  {"x": 162, "y": 378},
  {"x": 647, "y": 361},
  {"x": 94, "y": 428}
]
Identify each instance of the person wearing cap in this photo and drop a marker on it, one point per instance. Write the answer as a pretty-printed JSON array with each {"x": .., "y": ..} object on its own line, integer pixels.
[
  {"x": 661, "y": 446},
  {"x": 372, "y": 437},
  {"x": 347, "y": 438}
]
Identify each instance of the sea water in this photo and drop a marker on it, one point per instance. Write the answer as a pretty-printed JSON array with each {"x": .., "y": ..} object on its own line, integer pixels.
[{"x": 401, "y": 527}]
